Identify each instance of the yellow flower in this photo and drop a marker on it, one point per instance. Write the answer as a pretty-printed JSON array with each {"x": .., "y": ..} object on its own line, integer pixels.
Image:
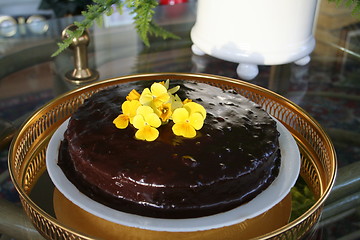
[
  {"x": 129, "y": 111},
  {"x": 187, "y": 122},
  {"x": 156, "y": 105},
  {"x": 164, "y": 112},
  {"x": 157, "y": 95},
  {"x": 146, "y": 121},
  {"x": 133, "y": 95}
]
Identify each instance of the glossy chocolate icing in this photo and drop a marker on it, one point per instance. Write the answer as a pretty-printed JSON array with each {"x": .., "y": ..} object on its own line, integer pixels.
[{"x": 233, "y": 158}]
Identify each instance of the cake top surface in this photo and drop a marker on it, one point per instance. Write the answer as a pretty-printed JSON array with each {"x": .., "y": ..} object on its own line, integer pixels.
[{"x": 234, "y": 128}]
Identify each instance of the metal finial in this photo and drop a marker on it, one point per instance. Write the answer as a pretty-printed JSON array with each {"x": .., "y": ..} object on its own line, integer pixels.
[{"x": 81, "y": 73}]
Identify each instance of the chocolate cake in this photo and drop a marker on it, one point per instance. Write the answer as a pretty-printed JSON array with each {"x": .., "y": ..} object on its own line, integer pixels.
[{"x": 232, "y": 158}]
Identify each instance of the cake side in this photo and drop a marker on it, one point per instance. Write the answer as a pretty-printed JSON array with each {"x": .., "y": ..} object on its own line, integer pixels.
[{"x": 233, "y": 158}]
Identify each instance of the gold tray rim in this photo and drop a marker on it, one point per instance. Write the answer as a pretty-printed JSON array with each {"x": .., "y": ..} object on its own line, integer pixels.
[{"x": 150, "y": 76}]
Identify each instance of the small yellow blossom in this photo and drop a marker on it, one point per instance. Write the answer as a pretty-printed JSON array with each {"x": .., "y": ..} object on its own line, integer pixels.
[
  {"x": 157, "y": 105},
  {"x": 156, "y": 95},
  {"x": 129, "y": 109},
  {"x": 186, "y": 122},
  {"x": 133, "y": 95},
  {"x": 164, "y": 112},
  {"x": 146, "y": 121}
]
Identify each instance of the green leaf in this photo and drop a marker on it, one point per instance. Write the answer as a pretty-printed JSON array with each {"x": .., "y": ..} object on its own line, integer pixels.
[
  {"x": 161, "y": 32},
  {"x": 99, "y": 21},
  {"x": 109, "y": 12}
]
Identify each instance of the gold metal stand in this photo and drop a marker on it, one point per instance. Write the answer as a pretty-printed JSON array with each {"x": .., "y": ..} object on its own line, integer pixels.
[
  {"x": 81, "y": 73},
  {"x": 28, "y": 150}
]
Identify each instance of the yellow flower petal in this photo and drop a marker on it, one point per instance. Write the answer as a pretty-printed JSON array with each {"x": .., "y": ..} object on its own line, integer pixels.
[
  {"x": 180, "y": 115},
  {"x": 139, "y": 121},
  {"x": 146, "y": 96},
  {"x": 187, "y": 101},
  {"x": 122, "y": 121},
  {"x": 133, "y": 95},
  {"x": 196, "y": 120},
  {"x": 160, "y": 94},
  {"x": 147, "y": 133},
  {"x": 163, "y": 98},
  {"x": 157, "y": 89},
  {"x": 144, "y": 110},
  {"x": 146, "y": 116},
  {"x": 125, "y": 107},
  {"x": 153, "y": 120},
  {"x": 129, "y": 107},
  {"x": 194, "y": 107},
  {"x": 184, "y": 129}
]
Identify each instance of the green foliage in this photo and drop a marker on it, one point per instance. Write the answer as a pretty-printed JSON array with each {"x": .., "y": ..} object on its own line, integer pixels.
[
  {"x": 302, "y": 199},
  {"x": 142, "y": 11},
  {"x": 352, "y": 4}
]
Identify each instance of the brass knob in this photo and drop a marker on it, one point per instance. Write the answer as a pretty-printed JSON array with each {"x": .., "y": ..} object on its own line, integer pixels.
[{"x": 81, "y": 73}]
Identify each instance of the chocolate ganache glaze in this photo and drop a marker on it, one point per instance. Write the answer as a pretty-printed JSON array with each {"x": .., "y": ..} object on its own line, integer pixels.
[{"x": 233, "y": 158}]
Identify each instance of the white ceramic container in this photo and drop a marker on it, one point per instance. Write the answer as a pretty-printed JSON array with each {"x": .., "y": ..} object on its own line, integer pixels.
[{"x": 256, "y": 32}]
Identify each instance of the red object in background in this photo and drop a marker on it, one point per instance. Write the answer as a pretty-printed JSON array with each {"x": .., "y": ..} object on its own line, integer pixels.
[
  {"x": 175, "y": 9},
  {"x": 171, "y": 2}
]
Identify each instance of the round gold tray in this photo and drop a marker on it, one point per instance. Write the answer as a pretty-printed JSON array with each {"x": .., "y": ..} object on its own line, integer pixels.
[{"x": 27, "y": 152}]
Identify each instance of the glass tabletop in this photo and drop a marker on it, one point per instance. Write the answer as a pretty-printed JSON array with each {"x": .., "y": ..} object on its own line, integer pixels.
[{"x": 328, "y": 87}]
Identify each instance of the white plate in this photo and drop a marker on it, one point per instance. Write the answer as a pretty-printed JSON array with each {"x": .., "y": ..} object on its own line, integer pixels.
[{"x": 289, "y": 171}]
